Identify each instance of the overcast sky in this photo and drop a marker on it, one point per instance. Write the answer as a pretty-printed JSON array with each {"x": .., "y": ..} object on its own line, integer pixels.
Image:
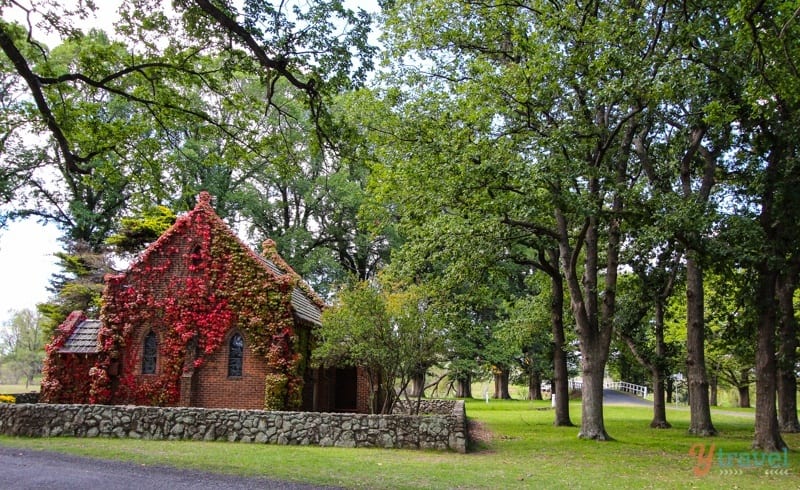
[{"x": 26, "y": 264}]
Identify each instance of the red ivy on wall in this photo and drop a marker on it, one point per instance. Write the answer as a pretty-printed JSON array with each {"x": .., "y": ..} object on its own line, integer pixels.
[
  {"x": 191, "y": 287},
  {"x": 64, "y": 376}
]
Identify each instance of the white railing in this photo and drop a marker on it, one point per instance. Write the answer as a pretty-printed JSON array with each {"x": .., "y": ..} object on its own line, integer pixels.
[
  {"x": 624, "y": 386},
  {"x": 627, "y": 388}
]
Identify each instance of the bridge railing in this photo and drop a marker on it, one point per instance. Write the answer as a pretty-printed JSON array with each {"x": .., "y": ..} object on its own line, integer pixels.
[
  {"x": 624, "y": 386},
  {"x": 627, "y": 388}
]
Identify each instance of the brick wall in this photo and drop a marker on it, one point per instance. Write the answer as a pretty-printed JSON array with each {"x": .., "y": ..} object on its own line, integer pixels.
[
  {"x": 362, "y": 392},
  {"x": 214, "y": 389}
]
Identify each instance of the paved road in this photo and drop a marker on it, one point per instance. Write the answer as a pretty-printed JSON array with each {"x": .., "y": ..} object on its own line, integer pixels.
[
  {"x": 612, "y": 397},
  {"x": 24, "y": 469}
]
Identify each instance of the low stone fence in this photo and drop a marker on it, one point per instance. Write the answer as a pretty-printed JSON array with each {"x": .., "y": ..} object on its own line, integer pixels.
[{"x": 443, "y": 432}]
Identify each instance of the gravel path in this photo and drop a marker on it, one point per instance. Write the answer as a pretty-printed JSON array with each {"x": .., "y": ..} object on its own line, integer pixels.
[{"x": 24, "y": 469}]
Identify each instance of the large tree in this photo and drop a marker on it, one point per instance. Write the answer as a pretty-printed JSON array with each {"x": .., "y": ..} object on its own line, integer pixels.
[
  {"x": 318, "y": 49},
  {"x": 768, "y": 35},
  {"x": 539, "y": 123},
  {"x": 218, "y": 96}
]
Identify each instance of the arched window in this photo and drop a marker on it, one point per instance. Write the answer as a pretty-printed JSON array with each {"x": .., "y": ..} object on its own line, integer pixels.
[
  {"x": 235, "y": 355},
  {"x": 196, "y": 257},
  {"x": 149, "y": 353}
]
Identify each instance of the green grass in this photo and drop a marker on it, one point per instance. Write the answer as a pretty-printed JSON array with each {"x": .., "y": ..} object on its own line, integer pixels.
[
  {"x": 526, "y": 451},
  {"x": 10, "y": 389}
]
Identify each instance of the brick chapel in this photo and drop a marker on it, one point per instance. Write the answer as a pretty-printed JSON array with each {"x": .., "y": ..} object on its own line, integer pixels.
[{"x": 201, "y": 320}]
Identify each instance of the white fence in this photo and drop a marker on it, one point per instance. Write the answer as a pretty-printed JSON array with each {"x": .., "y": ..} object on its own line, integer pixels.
[
  {"x": 627, "y": 388},
  {"x": 576, "y": 384}
]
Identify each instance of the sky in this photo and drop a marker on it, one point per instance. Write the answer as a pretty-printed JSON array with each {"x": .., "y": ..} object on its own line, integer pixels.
[{"x": 26, "y": 264}]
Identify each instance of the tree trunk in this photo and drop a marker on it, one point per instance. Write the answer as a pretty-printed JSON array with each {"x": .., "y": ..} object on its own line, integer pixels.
[
  {"x": 501, "y": 383},
  {"x": 699, "y": 409},
  {"x": 767, "y": 433},
  {"x": 535, "y": 386},
  {"x": 417, "y": 389},
  {"x": 670, "y": 389},
  {"x": 464, "y": 387},
  {"x": 594, "y": 333},
  {"x": 593, "y": 308},
  {"x": 659, "y": 406},
  {"x": 714, "y": 387},
  {"x": 787, "y": 356},
  {"x": 592, "y": 423},
  {"x": 657, "y": 370},
  {"x": 744, "y": 396},
  {"x": 560, "y": 384}
]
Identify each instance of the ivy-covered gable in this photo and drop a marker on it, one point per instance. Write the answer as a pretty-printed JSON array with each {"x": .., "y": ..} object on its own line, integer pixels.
[{"x": 191, "y": 287}]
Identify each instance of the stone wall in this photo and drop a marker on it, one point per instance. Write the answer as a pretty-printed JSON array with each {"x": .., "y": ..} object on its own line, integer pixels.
[
  {"x": 442, "y": 432},
  {"x": 426, "y": 406}
]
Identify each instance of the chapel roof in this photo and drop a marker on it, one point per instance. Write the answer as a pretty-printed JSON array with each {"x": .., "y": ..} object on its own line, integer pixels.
[
  {"x": 83, "y": 339},
  {"x": 303, "y": 305}
]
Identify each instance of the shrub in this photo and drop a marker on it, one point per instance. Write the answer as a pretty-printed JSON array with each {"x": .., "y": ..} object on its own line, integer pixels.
[{"x": 7, "y": 399}]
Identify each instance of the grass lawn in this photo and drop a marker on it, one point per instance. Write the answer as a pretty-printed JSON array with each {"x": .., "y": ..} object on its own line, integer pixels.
[
  {"x": 525, "y": 451},
  {"x": 18, "y": 388}
]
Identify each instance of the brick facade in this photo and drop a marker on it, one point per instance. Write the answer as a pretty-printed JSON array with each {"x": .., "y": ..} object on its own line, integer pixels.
[
  {"x": 213, "y": 388},
  {"x": 201, "y": 377}
]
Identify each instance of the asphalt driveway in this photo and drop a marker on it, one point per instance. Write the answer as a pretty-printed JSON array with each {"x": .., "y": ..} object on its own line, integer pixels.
[
  {"x": 612, "y": 397},
  {"x": 24, "y": 469}
]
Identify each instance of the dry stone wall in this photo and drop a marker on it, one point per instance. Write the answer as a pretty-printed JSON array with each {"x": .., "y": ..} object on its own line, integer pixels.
[{"x": 442, "y": 432}]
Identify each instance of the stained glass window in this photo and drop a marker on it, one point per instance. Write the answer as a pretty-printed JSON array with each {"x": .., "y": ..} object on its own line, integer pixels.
[
  {"x": 149, "y": 353},
  {"x": 235, "y": 355}
]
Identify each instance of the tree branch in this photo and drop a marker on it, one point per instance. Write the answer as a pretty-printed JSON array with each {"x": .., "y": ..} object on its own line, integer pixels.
[{"x": 71, "y": 160}]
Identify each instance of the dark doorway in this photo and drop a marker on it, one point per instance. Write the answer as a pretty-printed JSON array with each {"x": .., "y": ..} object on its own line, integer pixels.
[{"x": 345, "y": 395}]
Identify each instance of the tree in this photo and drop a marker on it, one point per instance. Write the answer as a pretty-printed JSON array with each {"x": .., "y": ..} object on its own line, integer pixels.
[
  {"x": 731, "y": 322},
  {"x": 527, "y": 328},
  {"x": 304, "y": 45},
  {"x": 136, "y": 123},
  {"x": 767, "y": 34},
  {"x": 640, "y": 322},
  {"x": 540, "y": 121},
  {"x": 22, "y": 344},
  {"x": 387, "y": 332},
  {"x": 313, "y": 202}
]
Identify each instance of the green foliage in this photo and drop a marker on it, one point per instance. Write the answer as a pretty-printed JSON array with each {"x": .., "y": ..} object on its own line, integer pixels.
[
  {"x": 139, "y": 231},
  {"x": 22, "y": 341},
  {"x": 392, "y": 333},
  {"x": 78, "y": 286}
]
